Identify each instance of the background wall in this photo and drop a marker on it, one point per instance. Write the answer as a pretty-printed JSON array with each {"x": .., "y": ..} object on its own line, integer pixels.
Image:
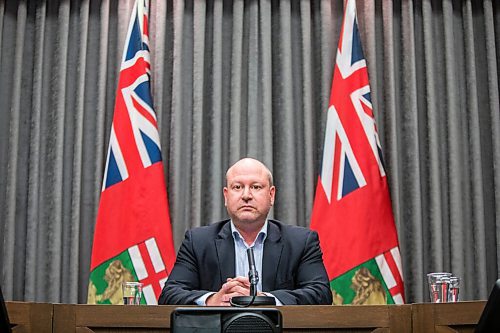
[{"x": 248, "y": 78}]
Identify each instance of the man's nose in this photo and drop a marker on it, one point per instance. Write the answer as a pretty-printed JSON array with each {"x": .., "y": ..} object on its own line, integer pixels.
[{"x": 247, "y": 193}]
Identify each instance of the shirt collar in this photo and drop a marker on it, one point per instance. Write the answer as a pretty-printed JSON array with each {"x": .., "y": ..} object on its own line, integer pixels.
[{"x": 261, "y": 236}]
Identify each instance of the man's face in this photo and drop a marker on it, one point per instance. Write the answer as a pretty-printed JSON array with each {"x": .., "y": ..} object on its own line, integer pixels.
[{"x": 248, "y": 195}]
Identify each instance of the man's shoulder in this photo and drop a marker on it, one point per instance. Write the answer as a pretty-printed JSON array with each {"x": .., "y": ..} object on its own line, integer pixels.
[
  {"x": 292, "y": 236},
  {"x": 284, "y": 228},
  {"x": 213, "y": 228}
]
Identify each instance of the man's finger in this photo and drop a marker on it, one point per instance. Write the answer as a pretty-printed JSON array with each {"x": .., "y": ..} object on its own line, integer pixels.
[
  {"x": 239, "y": 289},
  {"x": 233, "y": 283},
  {"x": 243, "y": 280}
]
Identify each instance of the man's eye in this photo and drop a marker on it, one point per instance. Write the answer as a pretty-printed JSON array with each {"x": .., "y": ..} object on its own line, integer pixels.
[
  {"x": 236, "y": 187},
  {"x": 256, "y": 187}
]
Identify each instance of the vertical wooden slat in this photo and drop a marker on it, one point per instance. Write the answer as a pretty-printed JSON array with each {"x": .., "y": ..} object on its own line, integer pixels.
[
  {"x": 64, "y": 318},
  {"x": 423, "y": 318},
  {"x": 400, "y": 319}
]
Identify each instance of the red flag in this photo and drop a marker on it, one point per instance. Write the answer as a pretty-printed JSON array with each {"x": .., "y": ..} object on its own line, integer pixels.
[
  {"x": 352, "y": 210},
  {"x": 133, "y": 237}
]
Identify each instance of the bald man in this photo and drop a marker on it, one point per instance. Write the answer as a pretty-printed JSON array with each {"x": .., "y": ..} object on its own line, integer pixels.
[{"x": 211, "y": 265}]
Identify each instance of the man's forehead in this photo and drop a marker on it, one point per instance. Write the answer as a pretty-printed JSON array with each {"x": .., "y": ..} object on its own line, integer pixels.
[
  {"x": 247, "y": 177},
  {"x": 247, "y": 169}
]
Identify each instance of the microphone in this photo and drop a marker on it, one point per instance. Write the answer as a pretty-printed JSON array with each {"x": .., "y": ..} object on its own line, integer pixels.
[{"x": 253, "y": 277}]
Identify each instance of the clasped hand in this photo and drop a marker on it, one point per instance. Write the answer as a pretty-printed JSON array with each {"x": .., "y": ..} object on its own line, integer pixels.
[{"x": 238, "y": 286}]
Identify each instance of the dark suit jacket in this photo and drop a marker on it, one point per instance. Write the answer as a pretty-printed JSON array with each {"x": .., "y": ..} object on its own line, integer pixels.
[{"x": 292, "y": 265}]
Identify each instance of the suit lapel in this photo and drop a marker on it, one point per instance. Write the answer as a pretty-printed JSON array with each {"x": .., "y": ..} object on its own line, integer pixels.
[
  {"x": 224, "y": 244},
  {"x": 273, "y": 247}
]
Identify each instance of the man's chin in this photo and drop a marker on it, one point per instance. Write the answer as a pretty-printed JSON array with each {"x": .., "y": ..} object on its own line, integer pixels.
[{"x": 248, "y": 218}]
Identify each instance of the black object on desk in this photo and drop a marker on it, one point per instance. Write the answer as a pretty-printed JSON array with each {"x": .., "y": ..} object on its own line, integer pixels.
[
  {"x": 225, "y": 320},
  {"x": 4, "y": 317},
  {"x": 490, "y": 318}
]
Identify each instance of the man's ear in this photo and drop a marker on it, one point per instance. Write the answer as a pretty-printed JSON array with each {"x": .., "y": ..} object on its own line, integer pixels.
[
  {"x": 224, "y": 192},
  {"x": 272, "y": 193}
]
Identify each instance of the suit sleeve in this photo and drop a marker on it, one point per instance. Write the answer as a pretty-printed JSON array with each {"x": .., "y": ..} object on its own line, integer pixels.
[
  {"x": 183, "y": 284},
  {"x": 311, "y": 285}
]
